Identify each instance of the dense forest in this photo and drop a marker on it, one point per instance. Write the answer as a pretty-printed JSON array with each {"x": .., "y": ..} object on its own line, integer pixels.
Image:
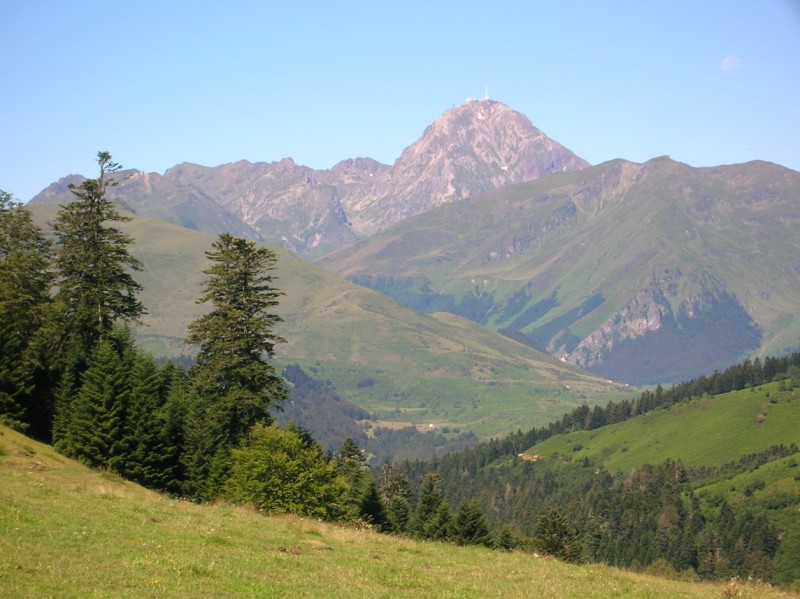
[
  {"x": 71, "y": 374},
  {"x": 651, "y": 517}
]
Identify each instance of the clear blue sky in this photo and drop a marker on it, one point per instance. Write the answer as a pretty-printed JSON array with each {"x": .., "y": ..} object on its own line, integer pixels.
[{"x": 707, "y": 82}]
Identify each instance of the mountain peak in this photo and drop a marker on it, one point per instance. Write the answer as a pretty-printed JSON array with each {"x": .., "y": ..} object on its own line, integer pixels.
[{"x": 468, "y": 150}]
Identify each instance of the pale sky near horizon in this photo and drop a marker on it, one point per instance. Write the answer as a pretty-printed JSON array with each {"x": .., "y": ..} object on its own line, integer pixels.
[{"x": 157, "y": 83}]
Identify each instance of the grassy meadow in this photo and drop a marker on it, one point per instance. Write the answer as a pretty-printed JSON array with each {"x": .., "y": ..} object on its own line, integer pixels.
[
  {"x": 707, "y": 431},
  {"x": 67, "y": 531}
]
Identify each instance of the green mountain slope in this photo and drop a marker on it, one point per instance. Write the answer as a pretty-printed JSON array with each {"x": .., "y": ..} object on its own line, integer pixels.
[
  {"x": 67, "y": 531},
  {"x": 734, "y": 446},
  {"x": 640, "y": 272},
  {"x": 704, "y": 432},
  {"x": 402, "y": 366}
]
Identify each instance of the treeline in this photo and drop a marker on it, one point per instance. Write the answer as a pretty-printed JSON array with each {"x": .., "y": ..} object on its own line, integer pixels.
[
  {"x": 735, "y": 378},
  {"x": 640, "y": 520},
  {"x": 647, "y": 518}
]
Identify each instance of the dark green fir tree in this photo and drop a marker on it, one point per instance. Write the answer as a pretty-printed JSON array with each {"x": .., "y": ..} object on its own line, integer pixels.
[
  {"x": 470, "y": 526},
  {"x": 232, "y": 377},
  {"x": 25, "y": 282}
]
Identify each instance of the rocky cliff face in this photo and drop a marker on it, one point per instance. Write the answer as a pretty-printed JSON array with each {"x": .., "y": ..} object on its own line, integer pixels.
[{"x": 477, "y": 147}]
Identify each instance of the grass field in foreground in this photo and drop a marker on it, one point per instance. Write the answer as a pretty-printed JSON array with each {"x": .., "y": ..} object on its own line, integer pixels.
[{"x": 67, "y": 531}]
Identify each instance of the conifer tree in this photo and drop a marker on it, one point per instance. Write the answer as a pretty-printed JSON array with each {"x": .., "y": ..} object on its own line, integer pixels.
[
  {"x": 24, "y": 296},
  {"x": 96, "y": 428},
  {"x": 441, "y": 527},
  {"x": 174, "y": 417},
  {"x": 432, "y": 517},
  {"x": 362, "y": 499},
  {"x": 234, "y": 382},
  {"x": 556, "y": 536},
  {"x": 93, "y": 263},
  {"x": 470, "y": 526},
  {"x": 393, "y": 486},
  {"x": 236, "y": 337},
  {"x": 149, "y": 452},
  {"x": 507, "y": 540}
]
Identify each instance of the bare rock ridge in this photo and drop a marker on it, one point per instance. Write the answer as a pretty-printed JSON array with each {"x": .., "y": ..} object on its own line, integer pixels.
[
  {"x": 473, "y": 148},
  {"x": 476, "y": 147}
]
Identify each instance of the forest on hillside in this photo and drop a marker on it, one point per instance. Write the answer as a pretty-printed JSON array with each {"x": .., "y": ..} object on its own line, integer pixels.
[{"x": 666, "y": 515}]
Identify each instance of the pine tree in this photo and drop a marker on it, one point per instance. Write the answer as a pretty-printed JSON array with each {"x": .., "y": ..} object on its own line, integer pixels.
[
  {"x": 96, "y": 429},
  {"x": 507, "y": 540},
  {"x": 95, "y": 285},
  {"x": 360, "y": 500},
  {"x": 63, "y": 432},
  {"x": 24, "y": 297},
  {"x": 234, "y": 382},
  {"x": 236, "y": 337},
  {"x": 441, "y": 527},
  {"x": 470, "y": 526},
  {"x": 148, "y": 450},
  {"x": 393, "y": 486},
  {"x": 174, "y": 416},
  {"x": 555, "y": 536},
  {"x": 432, "y": 517}
]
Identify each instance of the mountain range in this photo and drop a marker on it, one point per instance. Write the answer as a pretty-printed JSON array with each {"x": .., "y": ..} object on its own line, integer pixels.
[{"x": 642, "y": 273}]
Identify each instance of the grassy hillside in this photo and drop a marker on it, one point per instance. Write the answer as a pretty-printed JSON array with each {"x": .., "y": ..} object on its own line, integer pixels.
[
  {"x": 723, "y": 440},
  {"x": 67, "y": 531},
  {"x": 586, "y": 263},
  {"x": 402, "y": 366},
  {"x": 709, "y": 431}
]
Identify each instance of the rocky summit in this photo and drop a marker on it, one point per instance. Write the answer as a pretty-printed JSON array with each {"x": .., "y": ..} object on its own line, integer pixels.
[{"x": 473, "y": 148}]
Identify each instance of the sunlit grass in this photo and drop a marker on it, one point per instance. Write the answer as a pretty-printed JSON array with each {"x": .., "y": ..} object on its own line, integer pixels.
[
  {"x": 702, "y": 432},
  {"x": 66, "y": 531}
]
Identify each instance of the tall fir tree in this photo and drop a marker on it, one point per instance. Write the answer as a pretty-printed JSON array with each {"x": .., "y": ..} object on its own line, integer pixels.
[
  {"x": 232, "y": 376},
  {"x": 25, "y": 282},
  {"x": 95, "y": 433},
  {"x": 94, "y": 264},
  {"x": 96, "y": 288}
]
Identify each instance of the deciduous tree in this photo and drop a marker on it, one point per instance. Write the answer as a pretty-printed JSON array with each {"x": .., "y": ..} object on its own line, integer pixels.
[{"x": 280, "y": 472}]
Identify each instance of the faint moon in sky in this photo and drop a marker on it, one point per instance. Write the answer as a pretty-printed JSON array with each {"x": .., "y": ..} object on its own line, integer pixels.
[{"x": 731, "y": 64}]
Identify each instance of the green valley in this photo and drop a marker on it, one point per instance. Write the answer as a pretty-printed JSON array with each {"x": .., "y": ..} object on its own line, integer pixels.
[{"x": 404, "y": 367}]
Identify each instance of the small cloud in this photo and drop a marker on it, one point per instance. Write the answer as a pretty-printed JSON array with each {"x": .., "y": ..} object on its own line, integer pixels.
[{"x": 731, "y": 64}]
